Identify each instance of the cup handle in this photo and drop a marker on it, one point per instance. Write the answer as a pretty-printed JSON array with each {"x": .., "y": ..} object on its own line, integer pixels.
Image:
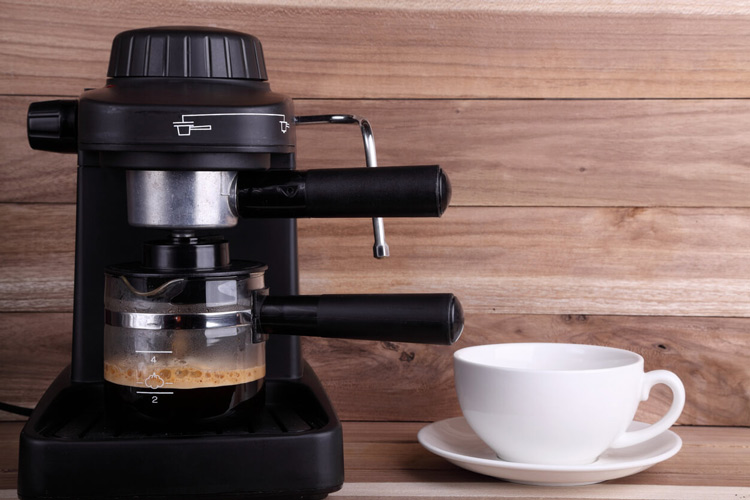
[{"x": 678, "y": 402}]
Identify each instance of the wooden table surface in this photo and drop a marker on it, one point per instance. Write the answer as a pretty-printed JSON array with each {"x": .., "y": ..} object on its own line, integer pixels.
[
  {"x": 598, "y": 155},
  {"x": 384, "y": 460}
]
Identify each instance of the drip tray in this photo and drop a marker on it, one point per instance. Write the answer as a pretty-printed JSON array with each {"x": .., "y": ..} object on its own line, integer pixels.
[
  {"x": 79, "y": 414},
  {"x": 290, "y": 447}
]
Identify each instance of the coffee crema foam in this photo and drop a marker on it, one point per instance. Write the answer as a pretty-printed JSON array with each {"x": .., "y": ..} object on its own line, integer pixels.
[{"x": 179, "y": 375}]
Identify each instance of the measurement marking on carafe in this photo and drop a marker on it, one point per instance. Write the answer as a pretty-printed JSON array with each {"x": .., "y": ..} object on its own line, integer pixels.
[
  {"x": 154, "y": 392},
  {"x": 185, "y": 127},
  {"x": 154, "y": 352},
  {"x": 154, "y": 381}
]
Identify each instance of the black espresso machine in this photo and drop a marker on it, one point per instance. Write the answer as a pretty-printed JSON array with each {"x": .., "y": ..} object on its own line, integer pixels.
[{"x": 187, "y": 379}]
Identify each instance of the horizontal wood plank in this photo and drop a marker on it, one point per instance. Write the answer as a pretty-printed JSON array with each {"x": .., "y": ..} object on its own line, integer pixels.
[
  {"x": 689, "y": 153},
  {"x": 447, "y": 490},
  {"x": 317, "y": 50},
  {"x": 546, "y": 260},
  {"x": 581, "y": 213},
  {"x": 26, "y": 175},
  {"x": 518, "y": 260},
  {"x": 378, "y": 452},
  {"x": 9, "y": 432},
  {"x": 36, "y": 267},
  {"x": 389, "y": 381},
  {"x": 412, "y": 382},
  {"x": 713, "y": 464},
  {"x": 34, "y": 348}
]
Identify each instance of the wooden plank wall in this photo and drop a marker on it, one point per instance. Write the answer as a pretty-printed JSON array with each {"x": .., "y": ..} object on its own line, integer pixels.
[{"x": 599, "y": 155}]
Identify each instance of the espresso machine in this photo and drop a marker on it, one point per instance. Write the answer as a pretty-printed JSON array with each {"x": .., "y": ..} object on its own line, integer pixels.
[{"x": 186, "y": 379}]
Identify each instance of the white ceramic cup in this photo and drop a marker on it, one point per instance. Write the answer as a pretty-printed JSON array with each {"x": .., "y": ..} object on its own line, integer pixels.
[{"x": 561, "y": 404}]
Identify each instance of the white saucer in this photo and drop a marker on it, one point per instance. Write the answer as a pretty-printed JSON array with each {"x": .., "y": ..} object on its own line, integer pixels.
[{"x": 454, "y": 440}]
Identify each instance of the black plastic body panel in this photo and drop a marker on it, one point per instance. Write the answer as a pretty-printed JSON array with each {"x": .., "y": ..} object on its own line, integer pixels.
[
  {"x": 69, "y": 449},
  {"x": 185, "y": 115}
]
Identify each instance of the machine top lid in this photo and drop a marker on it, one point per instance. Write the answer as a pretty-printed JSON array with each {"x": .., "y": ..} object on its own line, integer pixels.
[{"x": 186, "y": 52}]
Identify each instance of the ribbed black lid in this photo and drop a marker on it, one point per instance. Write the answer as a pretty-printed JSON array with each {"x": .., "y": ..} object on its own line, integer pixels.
[{"x": 186, "y": 52}]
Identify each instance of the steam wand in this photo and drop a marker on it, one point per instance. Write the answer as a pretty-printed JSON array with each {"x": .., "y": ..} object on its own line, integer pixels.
[{"x": 380, "y": 248}]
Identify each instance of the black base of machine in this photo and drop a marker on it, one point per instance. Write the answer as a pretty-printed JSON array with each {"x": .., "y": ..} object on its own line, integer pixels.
[{"x": 290, "y": 448}]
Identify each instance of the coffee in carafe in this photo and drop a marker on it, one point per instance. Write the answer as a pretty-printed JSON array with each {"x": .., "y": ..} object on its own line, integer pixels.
[
  {"x": 179, "y": 390},
  {"x": 181, "y": 347}
]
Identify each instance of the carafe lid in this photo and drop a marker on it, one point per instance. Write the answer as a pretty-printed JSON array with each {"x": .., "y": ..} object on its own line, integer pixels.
[
  {"x": 186, "y": 52},
  {"x": 188, "y": 253}
]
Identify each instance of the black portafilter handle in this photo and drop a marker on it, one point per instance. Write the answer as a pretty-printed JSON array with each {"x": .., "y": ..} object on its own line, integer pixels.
[
  {"x": 422, "y": 191},
  {"x": 420, "y": 318}
]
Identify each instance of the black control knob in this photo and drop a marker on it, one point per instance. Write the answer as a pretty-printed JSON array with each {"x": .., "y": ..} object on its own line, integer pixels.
[
  {"x": 186, "y": 52},
  {"x": 52, "y": 126}
]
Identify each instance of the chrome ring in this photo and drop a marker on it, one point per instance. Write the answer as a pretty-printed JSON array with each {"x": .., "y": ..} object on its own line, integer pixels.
[{"x": 192, "y": 321}]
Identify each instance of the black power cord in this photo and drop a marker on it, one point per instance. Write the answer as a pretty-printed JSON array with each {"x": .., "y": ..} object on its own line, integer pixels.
[{"x": 18, "y": 410}]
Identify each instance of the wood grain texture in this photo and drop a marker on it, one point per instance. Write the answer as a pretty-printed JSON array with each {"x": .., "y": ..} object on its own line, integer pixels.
[
  {"x": 377, "y": 452},
  {"x": 713, "y": 464},
  {"x": 599, "y": 158},
  {"x": 387, "y": 381},
  {"x": 527, "y": 260},
  {"x": 314, "y": 50},
  {"x": 686, "y": 7},
  {"x": 689, "y": 153},
  {"x": 546, "y": 260},
  {"x": 26, "y": 175},
  {"x": 411, "y": 382},
  {"x": 9, "y": 432},
  {"x": 447, "y": 490},
  {"x": 388, "y": 452},
  {"x": 34, "y": 348},
  {"x": 37, "y": 257}
]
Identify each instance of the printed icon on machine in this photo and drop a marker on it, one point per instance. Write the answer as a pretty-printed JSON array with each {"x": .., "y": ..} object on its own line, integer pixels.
[{"x": 187, "y": 125}]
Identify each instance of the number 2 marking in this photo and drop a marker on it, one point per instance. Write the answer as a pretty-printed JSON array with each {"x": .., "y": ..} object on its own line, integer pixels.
[{"x": 154, "y": 399}]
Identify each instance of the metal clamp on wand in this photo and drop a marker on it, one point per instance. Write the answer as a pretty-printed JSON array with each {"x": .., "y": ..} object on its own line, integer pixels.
[{"x": 380, "y": 249}]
